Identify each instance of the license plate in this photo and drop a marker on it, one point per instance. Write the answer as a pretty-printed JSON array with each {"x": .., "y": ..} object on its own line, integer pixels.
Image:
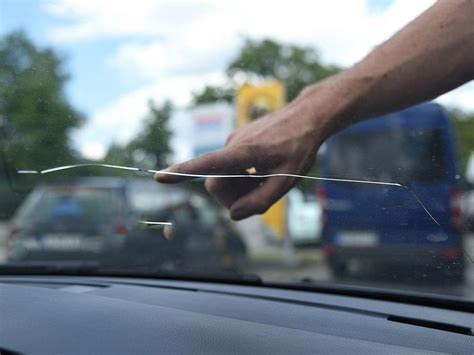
[
  {"x": 61, "y": 242},
  {"x": 358, "y": 239},
  {"x": 64, "y": 242}
]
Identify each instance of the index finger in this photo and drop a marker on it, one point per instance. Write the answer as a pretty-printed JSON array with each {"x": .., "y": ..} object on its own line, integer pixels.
[{"x": 223, "y": 161}]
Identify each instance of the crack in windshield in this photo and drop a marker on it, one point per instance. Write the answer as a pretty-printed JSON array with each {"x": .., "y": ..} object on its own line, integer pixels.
[{"x": 251, "y": 174}]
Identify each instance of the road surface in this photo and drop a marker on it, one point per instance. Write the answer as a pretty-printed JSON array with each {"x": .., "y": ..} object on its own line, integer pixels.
[{"x": 319, "y": 272}]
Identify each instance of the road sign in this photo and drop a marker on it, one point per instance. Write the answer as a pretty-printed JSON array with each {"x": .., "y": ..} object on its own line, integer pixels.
[{"x": 212, "y": 123}]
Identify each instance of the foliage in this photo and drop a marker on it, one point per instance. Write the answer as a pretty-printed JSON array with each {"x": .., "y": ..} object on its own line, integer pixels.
[
  {"x": 35, "y": 115},
  {"x": 32, "y": 100},
  {"x": 151, "y": 147},
  {"x": 296, "y": 66},
  {"x": 463, "y": 123},
  {"x": 213, "y": 94},
  {"x": 119, "y": 155}
]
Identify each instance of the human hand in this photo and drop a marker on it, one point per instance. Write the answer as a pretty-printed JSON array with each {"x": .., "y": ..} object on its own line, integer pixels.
[{"x": 284, "y": 141}]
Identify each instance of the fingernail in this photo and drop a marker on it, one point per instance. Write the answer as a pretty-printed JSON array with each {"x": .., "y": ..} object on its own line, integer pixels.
[{"x": 168, "y": 233}]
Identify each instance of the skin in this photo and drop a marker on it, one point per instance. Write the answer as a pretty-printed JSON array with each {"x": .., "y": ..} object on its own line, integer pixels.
[{"x": 430, "y": 56}]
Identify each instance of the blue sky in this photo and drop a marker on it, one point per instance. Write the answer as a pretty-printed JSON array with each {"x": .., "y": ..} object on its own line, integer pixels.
[
  {"x": 86, "y": 89},
  {"x": 121, "y": 53}
]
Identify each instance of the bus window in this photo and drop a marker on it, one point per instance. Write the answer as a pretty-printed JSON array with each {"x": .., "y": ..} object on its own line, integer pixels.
[{"x": 390, "y": 155}]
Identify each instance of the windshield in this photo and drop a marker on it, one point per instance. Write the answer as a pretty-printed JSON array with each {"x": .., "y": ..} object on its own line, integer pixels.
[{"x": 111, "y": 92}]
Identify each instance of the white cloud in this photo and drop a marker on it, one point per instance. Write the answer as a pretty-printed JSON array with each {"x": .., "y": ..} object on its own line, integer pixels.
[
  {"x": 176, "y": 47},
  {"x": 120, "y": 120},
  {"x": 92, "y": 19},
  {"x": 462, "y": 97},
  {"x": 154, "y": 60},
  {"x": 165, "y": 37},
  {"x": 93, "y": 150},
  {"x": 343, "y": 30}
]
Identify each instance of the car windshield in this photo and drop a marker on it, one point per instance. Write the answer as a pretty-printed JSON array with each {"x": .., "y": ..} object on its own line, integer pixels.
[{"x": 98, "y": 96}]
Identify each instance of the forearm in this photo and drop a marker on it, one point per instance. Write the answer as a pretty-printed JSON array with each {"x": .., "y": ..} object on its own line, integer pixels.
[{"x": 431, "y": 55}]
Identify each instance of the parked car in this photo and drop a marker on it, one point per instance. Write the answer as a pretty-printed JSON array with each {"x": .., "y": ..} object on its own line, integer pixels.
[
  {"x": 202, "y": 235},
  {"x": 97, "y": 219},
  {"x": 383, "y": 226},
  {"x": 84, "y": 219}
]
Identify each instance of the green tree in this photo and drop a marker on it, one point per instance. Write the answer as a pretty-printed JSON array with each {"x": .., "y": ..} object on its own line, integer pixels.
[
  {"x": 463, "y": 123},
  {"x": 32, "y": 99},
  {"x": 151, "y": 147},
  {"x": 119, "y": 155},
  {"x": 296, "y": 66},
  {"x": 212, "y": 94}
]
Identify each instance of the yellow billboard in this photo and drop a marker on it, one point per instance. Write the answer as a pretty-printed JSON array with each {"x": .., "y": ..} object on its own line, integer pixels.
[{"x": 254, "y": 101}]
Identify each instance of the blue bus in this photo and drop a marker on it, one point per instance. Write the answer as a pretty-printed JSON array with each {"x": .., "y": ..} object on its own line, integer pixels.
[{"x": 373, "y": 227}]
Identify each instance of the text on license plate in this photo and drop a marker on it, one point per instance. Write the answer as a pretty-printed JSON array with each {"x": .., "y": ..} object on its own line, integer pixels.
[
  {"x": 63, "y": 242},
  {"x": 358, "y": 239}
]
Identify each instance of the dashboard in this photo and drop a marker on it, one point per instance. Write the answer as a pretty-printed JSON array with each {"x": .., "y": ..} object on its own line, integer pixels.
[{"x": 74, "y": 314}]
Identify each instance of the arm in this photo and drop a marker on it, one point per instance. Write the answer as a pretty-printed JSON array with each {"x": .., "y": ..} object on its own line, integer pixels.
[{"x": 431, "y": 55}]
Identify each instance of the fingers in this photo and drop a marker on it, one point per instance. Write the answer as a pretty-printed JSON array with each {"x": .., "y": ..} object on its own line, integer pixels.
[
  {"x": 223, "y": 161},
  {"x": 227, "y": 191},
  {"x": 261, "y": 198}
]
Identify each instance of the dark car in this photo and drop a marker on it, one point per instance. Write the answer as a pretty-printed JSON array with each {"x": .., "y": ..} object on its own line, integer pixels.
[
  {"x": 200, "y": 235},
  {"x": 101, "y": 219},
  {"x": 83, "y": 219}
]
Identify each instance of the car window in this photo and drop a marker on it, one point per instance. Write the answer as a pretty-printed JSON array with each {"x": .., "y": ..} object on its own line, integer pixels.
[
  {"x": 390, "y": 155},
  {"x": 146, "y": 196},
  {"x": 72, "y": 202},
  {"x": 100, "y": 99}
]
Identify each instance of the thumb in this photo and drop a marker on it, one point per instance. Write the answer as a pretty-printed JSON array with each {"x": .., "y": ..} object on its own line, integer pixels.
[{"x": 226, "y": 160}]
